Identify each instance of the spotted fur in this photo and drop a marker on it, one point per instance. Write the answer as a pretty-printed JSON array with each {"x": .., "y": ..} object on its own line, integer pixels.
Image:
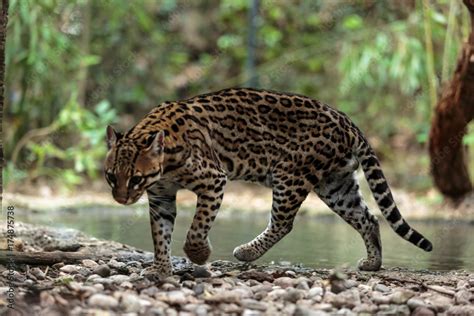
[{"x": 290, "y": 143}]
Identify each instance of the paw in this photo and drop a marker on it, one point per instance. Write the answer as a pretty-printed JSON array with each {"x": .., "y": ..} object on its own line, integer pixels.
[
  {"x": 198, "y": 253},
  {"x": 246, "y": 253},
  {"x": 369, "y": 264},
  {"x": 157, "y": 272}
]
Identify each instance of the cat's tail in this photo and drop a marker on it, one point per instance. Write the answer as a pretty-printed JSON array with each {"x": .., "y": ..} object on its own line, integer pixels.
[{"x": 383, "y": 196}]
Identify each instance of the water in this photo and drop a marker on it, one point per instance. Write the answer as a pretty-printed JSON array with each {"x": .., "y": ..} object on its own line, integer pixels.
[{"x": 322, "y": 242}]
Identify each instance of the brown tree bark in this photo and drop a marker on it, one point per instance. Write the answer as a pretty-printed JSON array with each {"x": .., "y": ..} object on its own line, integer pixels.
[
  {"x": 3, "y": 31},
  {"x": 453, "y": 113}
]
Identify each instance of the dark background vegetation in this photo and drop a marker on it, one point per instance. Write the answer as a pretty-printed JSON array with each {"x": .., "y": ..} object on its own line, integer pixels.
[{"x": 75, "y": 66}]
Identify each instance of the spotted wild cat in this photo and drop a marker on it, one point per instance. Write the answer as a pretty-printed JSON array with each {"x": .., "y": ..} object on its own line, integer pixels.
[{"x": 288, "y": 142}]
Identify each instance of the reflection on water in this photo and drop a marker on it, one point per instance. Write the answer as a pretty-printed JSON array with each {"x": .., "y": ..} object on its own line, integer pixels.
[{"x": 315, "y": 242}]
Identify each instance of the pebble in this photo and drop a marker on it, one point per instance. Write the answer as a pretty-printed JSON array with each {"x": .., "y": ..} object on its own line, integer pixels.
[
  {"x": 249, "y": 312},
  {"x": 422, "y": 311},
  {"x": 379, "y": 298},
  {"x": 175, "y": 298},
  {"x": 283, "y": 282},
  {"x": 103, "y": 270},
  {"x": 253, "y": 304},
  {"x": 103, "y": 301},
  {"x": 201, "y": 272},
  {"x": 70, "y": 269},
  {"x": 415, "y": 302},
  {"x": 401, "y": 296},
  {"x": 293, "y": 295},
  {"x": 315, "y": 291},
  {"x": 365, "y": 308},
  {"x": 381, "y": 288},
  {"x": 440, "y": 302},
  {"x": 89, "y": 263},
  {"x": 463, "y": 297},
  {"x": 305, "y": 311},
  {"x": 276, "y": 294},
  {"x": 38, "y": 273},
  {"x": 119, "y": 278}
]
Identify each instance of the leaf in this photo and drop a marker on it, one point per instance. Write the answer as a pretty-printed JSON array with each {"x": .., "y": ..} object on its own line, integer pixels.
[{"x": 352, "y": 22}]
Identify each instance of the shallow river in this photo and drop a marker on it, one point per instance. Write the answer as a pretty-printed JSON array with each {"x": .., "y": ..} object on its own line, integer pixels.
[{"x": 314, "y": 242}]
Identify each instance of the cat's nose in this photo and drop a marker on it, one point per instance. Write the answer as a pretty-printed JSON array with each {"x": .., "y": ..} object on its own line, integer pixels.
[{"x": 121, "y": 199}]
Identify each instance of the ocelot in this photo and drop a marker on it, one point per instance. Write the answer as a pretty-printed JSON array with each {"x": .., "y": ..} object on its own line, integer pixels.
[{"x": 290, "y": 143}]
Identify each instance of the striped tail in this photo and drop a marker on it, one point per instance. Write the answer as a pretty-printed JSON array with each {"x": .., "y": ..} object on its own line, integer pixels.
[{"x": 383, "y": 196}]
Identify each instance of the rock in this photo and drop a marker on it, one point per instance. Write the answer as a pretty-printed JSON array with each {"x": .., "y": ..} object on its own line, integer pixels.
[
  {"x": 255, "y": 275},
  {"x": 379, "y": 298},
  {"x": 462, "y": 297},
  {"x": 131, "y": 303},
  {"x": 253, "y": 304},
  {"x": 422, "y": 311},
  {"x": 381, "y": 288},
  {"x": 461, "y": 310},
  {"x": 290, "y": 273},
  {"x": 304, "y": 311},
  {"x": 249, "y": 312},
  {"x": 364, "y": 308},
  {"x": 119, "y": 278},
  {"x": 350, "y": 284},
  {"x": 345, "y": 311},
  {"x": 114, "y": 264},
  {"x": 323, "y": 307},
  {"x": 260, "y": 295},
  {"x": 126, "y": 285},
  {"x": 102, "y": 301},
  {"x": 401, "y": 296},
  {"x": 349, "y": 298},
  {"x": 415, "y": 302},
  {"x": 293, "y": 295},
  {"x": 175, "y": 298},
  {"x": 440, "y": 302},
  {"x": 399, "y": 310},
  {"x": 462, "y": 284},
  {"x": 230, "y": 308},
  {"x": 103, "y": 270},
  {"x": 198, "y": 289},
  {"x": 38, "y": 273},
  {"x": 337, "y": 280},
  {"x": 70, "y": 269},
  {"x": 302, "y": 284},
  {"x": 89, "y": 263},
  {"x": 315, "y": 291},
  {"x": 201, "y": 272},
  {"x": 471, "y": 282},
  {"x": 276, "y": 294},
  {"x": 283, "y": 282}
]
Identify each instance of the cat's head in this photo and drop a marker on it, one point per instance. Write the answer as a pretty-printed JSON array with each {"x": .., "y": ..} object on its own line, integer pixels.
[{"x": 132, "y": 166}]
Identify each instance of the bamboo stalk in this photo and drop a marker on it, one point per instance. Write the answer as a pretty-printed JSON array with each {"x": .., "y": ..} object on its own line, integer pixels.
[{"x": 429, "y": 53}]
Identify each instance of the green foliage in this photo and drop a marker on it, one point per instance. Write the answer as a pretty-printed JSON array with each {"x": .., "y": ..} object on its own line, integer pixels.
[
  {"x": 85, "y": 129},
  {"x": 78, "y": 65}
]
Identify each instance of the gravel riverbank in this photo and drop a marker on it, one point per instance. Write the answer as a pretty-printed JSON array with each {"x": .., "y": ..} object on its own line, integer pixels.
[{"x": 111, "y": 284}]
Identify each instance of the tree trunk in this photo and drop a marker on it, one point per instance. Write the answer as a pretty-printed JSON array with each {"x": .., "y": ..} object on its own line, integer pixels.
[
  {"x": 453, "y": 113},
  {"x": 3, "y": 32}
]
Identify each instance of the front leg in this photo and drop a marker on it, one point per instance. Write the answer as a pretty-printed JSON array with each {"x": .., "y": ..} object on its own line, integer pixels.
[
  {"x": 209, "y": 199},
  {"x": 162, "y": 202}
]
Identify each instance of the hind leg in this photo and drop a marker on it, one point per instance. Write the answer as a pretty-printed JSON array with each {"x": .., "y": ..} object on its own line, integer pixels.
[
  {"x": 341, "y": 193},
  {"x": 287, "y": 198}
]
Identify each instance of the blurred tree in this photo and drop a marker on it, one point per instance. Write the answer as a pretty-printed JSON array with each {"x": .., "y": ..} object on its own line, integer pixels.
[
  {"x": 3, "y": 32},
  {"x": 449, "y": 164},
  {"x": 365, "y": 57}
]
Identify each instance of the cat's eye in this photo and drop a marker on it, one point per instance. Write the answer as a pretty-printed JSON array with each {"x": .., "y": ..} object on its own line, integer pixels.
[
  {"x": 135, "y": 180},
  {"x": 111, "y": 177}
]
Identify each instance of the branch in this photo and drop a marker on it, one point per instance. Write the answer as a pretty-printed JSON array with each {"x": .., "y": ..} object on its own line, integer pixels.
[{"x": 43, "y": 258}]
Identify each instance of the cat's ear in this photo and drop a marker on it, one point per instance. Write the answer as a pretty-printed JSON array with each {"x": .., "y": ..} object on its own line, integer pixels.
[
  {"x": 112, "y": 136},
  {"x": 156, "y": 142}
]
